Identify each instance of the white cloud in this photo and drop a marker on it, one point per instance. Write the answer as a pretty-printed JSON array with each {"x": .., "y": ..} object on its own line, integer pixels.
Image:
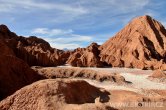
[
  {"x": 61, "y": 39},
  {"x": 15, "y": 5},
  {"x": 40, "y": 31},
  {"x": 132, "y": 5},
  {"x": 52, "y": 32},
  {"x": 121, "y": 6},
  {"x": 50, "y": 12},
  {"x": 64, "y": 46},
  {"x": 5, "y": 7},
  {"x": 70, "y": 39}
]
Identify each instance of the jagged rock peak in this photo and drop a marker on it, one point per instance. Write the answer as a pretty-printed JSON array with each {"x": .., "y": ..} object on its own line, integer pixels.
[
  {"x": 140, "y": 44},
  {"x": 4, "y": 28}
]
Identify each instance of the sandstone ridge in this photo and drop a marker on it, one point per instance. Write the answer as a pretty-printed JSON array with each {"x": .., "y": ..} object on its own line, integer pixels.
[{"x": 141, "y": 44}]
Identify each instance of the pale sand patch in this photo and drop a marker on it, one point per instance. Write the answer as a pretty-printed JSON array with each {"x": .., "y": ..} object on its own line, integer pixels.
[
  {"x": 142, "y": 82},
  {"x": 110, "y": 86}
]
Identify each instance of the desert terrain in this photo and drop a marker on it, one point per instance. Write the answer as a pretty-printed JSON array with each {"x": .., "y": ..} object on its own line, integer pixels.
[
  {"x": 127, "y": 72},
  {"x": 133, "y": 88}
]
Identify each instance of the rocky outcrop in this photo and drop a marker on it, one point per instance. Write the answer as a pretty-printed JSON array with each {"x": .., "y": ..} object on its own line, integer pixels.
[
  {"x": 5, "y": 50},
  {"x": 158, "y": 74},
  {"x": 33, "y": 50},
  {"x": 72, "y": 72},
  {"x": 57, "y": 94},
  {"x": 14, "y": 72},
  {"x": 141, "y": 44},
  {"x": 86, "y": 57},
  {"x": 36, "y": 51}
]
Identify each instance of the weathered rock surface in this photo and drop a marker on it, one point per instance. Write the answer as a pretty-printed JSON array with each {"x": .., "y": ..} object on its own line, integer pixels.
[
  {"x": 158, "y": 74},
  {"x": 141, "y": 44},
  {"x": 36, "y": 51},
  {"x": 72, "y": 72},
  {"x": 57, "y": 94},
  {"x": 14, "y": 72},
  {"x": 5, "y": 50},
  {"x": 86, "y": 57},
  {"x": 33, "y": 50}
]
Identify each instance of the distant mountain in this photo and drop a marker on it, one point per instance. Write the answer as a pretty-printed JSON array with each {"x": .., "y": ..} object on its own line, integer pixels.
[
  {"x": 141, "y": 44},
  {"x": 65, "y": 49}
]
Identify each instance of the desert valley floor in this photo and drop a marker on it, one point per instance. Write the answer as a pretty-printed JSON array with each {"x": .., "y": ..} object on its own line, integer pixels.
[
  {"x": 139, "y": 89},
  {"x": 138, "y": 78}
]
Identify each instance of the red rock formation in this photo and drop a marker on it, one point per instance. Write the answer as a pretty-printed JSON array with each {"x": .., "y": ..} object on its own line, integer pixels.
[
  {"x": 86, "y": 57},
  {"x": 158, "y": 74},
  {"x": 33, "y": 50},
  {"x": 56, "y": 95},
  {"x": 141, "y": 44},
  {"x": 36, "y": 51},
  {"x": 4, "y": 49},
  {"x": 14, "y": 72}
]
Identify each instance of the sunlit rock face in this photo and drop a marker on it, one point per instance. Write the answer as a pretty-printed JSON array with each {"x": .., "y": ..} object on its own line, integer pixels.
[
  {"x": 86, "y": 57},
  {"x": 51, "y": 94},
  {"x": 141, "y": 44}
]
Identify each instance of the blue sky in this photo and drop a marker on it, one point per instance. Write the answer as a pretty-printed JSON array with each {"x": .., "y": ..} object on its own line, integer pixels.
[{"x": 75, "y": 23}]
